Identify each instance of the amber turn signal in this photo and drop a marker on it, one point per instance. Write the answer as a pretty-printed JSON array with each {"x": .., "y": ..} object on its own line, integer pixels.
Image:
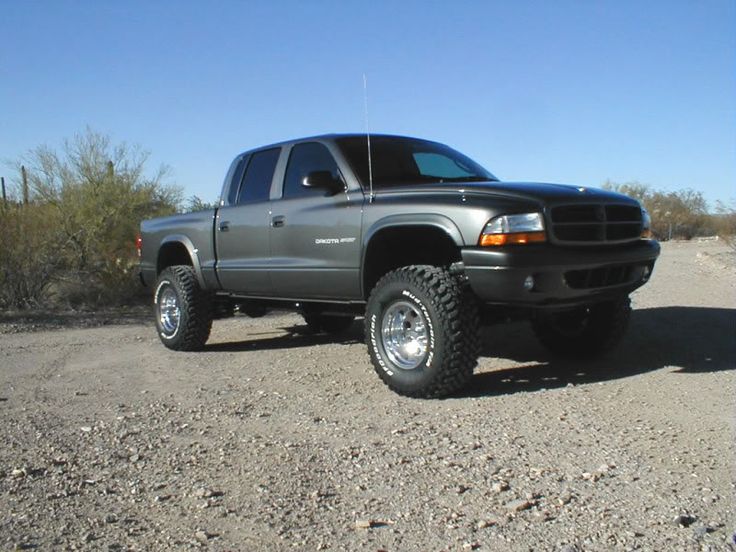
[{"x": 517, "y": 238}]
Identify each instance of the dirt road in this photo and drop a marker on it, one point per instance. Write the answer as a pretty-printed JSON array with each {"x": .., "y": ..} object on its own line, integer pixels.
[{"x": 273, "y": 440}]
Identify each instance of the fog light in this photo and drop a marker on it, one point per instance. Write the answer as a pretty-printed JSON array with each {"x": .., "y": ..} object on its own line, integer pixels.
[{"x": 529, "y": 283}]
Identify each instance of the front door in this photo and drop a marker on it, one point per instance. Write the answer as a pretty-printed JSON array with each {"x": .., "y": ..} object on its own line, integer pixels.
[{"x": 315, "y": 236}]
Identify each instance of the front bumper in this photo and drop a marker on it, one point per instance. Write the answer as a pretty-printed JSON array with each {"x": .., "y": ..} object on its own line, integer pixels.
[{"x": 561, "y": 275}]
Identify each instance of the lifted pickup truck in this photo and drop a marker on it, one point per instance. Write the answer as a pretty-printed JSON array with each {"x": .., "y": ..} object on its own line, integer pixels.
[{"x": 419, "y": 239}]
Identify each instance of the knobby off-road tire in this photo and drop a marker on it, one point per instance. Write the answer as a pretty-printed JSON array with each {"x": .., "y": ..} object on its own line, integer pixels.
[
  {"x": 585, "y": 331},
  {"x": 183, "y": 310},
  {"x": 421, "y": 328},
  {"x": 328, "y": 323}
]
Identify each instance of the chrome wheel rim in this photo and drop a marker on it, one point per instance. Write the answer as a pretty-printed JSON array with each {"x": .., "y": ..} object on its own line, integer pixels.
[
  {"x": 404, "y": 335},
  {"x": 169, "y": 311}
]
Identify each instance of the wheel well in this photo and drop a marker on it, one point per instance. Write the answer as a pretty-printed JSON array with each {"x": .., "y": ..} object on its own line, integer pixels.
[
  {"x": 392, "y": 248},
  {"x": 172, "y": 253}
]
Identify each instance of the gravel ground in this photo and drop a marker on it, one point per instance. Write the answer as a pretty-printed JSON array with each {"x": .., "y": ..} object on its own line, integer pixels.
[{"x": 275, "y": 440}]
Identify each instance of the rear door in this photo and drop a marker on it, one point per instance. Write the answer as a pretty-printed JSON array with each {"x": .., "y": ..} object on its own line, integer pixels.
[
  {"x": 315, "y": 236},
  {"x": 242, "y": 226}
]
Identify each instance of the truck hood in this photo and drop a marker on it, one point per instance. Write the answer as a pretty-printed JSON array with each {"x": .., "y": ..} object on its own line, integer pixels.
[{"x": 529, "y": 191}]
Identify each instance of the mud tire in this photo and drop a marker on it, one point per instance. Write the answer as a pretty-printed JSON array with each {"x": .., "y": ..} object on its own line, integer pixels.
[
  {"x": 586, "y": 331},
  {"x": 447, "y": 318},
  {"x": 183, "y": 311}
]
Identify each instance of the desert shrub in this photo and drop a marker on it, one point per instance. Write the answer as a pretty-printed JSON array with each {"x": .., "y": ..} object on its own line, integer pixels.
[
  {"x": 93, "y": 195},
  {"x": 682, "y": 214},
  {"x": 29, "y": 254},
  {"x": 725, "y": 222},
  {"x": 195, "y": 203}
]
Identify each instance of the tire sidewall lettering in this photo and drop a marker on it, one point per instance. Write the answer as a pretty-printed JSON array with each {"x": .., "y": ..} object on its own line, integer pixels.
[
  {"x": 375, "y": 330},
  {"x": 449, "y": 335},
  {"x": 376, "y": 349},
  {"x": 428, "y": 318},
  {"x": 161, "y": 285}
]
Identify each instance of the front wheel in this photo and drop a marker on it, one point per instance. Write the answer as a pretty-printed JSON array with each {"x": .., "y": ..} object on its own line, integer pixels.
[
  {"x": 183, "y": 310},
  {"x": 421, "y": 329},
  {"x": 583, "y": 331}
]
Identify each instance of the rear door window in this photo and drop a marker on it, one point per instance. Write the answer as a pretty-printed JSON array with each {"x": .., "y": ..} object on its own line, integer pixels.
[
  {"x": 256, "y": 184},
  {"x": 236, "y": 175}
]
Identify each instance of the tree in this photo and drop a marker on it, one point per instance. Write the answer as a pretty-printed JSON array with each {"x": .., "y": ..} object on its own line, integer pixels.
[
  {"x": 682, "y": 214},
  {"x": 29, "y": 253},
  {"x": 637, "y": 190},
  {"x": 195, "y": 203},
  {"x": 94, "y": 194},
  {"x": 726, "y": 222}
]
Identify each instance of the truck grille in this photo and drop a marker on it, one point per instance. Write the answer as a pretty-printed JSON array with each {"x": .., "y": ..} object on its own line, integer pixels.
[{"x": 595, "y": 223}]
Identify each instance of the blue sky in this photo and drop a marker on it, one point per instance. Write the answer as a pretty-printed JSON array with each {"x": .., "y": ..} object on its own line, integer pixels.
[{"x": 564, "y": 91}]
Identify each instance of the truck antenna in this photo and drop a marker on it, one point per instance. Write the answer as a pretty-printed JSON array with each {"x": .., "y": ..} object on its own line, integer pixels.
[{"x": 368, "y": 137}]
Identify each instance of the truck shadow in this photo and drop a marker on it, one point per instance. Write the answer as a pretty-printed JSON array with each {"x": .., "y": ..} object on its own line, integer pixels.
[
  {"x": 685, "y": 339},
  {"x": 294, "y": 337}
]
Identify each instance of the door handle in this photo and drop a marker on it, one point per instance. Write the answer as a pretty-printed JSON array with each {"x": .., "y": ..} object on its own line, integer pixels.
[
  {"x": 224, "y": 226},
  {"x": 278, "y": 221}
]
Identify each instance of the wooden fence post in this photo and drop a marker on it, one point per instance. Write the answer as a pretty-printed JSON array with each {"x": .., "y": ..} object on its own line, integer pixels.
[{"x": 5, "y": 197}]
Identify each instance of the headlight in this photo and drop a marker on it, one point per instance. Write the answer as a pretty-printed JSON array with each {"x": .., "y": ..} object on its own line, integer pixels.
[
  {"x": 514, "y": 229},
  {"x": 646, "y": 224}
]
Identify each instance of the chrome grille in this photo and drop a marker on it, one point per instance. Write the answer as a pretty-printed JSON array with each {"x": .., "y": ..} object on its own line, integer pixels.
[{"x": 595, "y": 223}]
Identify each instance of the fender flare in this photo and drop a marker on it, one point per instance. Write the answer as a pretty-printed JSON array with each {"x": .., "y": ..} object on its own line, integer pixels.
[
  {"x": 193, "y": 252},
  {"x": 415, "y": 219},
  {"x": 440, "y": 222}
]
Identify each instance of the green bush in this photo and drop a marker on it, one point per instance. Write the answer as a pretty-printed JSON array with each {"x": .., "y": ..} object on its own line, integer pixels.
[
  {"x": 79, "y": 228},
  {"x": 30, "y": 254},
  {"x": 726, "y": 223},
  {"x": 681, "y": 214}
]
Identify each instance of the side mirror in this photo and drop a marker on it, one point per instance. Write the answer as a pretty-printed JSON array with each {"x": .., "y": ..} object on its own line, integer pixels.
[{"x": 324, "y": 180}]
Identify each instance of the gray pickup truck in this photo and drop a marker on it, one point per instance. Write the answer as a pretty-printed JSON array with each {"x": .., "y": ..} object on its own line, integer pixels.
[{"x": 414, "y": 236}]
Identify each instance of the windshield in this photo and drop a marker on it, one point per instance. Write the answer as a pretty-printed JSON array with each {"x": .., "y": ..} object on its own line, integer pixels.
[{"x": 404, "y": 161}]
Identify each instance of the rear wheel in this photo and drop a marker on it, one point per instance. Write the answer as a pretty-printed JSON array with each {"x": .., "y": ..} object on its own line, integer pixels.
[
  {"x": 586, "y": 330},
  {"x": 183, "y": 310},
  {"x": 421, "y": 329}
]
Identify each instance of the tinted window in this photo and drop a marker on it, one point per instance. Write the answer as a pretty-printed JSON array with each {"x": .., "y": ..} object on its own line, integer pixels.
[
  {"x": 306, "y": 158},
  {"x": 235, "y": 176},
  {"x": 258, "y": 176},
  {"x": 397, "y": 161},
  {"x": 434, "y": 164}
]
